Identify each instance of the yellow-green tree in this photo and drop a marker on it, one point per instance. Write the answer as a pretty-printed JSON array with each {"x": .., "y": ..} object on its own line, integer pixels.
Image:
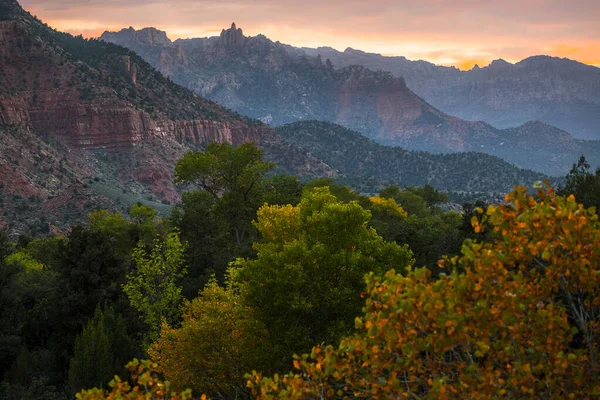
[
  {"x": 306, "y": 280},
  {"x": 522, "y": 320},
  {"x": 153, "y": 289},
  {"x": 219, "y": 340}
]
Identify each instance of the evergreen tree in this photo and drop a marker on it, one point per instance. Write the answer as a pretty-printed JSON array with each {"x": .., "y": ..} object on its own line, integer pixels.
[{"x": 101, "y": 350}]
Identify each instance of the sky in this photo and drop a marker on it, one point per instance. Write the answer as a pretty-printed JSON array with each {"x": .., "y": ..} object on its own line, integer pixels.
[{"x": 446, "y": 32}]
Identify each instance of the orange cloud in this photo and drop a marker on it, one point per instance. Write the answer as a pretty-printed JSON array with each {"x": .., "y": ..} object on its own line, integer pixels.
[{"x": 588, "y": 53}]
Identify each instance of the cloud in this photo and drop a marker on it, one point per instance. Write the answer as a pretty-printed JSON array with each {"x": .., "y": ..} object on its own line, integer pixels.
[{"x": 458, "y": 31}]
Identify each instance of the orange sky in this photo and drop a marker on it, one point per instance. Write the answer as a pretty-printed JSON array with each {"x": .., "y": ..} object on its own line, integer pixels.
[{"x": 448, "y": 32}]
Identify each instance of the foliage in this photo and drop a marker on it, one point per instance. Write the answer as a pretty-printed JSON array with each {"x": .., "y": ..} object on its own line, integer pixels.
[
  {"x": 152, "y": 289},
  {"x": 232, "y": 176},
  {"x": 100, "y": 350},
  {"x": 522, "y": 319},
  {"x": 428, "y": 231},
  {"x": 583, "y": 184},
  {"x": 219, "y": 340},
  {"x": 310, "y": 265},
  {"x": 145, "y": 385},
  {"x": 209, "y": 251},
  {"x": 38, "y": 389},
  {"x": 281, "y": 190},
  {"x": 142, "y": 214},
  {"x": 24, "y": 259}
]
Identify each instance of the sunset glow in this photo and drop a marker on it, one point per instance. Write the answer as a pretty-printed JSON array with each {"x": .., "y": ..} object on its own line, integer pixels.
[{"x": 460, "y": 33}]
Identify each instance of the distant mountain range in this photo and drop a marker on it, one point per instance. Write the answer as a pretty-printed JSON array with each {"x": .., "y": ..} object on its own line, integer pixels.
[
  {"x": 86, "y": 124},
  {"x": 557, "y": 91},
  {"x": 280, "y": 84}
]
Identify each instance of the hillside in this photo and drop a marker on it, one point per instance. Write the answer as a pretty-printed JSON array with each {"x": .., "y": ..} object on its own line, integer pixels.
[
  {"x": 358, "y": 157},
  {"x": 280, "y": 84},
  {"x": 90, "y": 123},
  {"x": 557, "y": 91}
]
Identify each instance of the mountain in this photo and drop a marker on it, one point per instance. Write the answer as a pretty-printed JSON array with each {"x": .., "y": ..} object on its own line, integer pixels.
[
  {"x": 361, "y": 159},
  {"x": 557, "y": 91},
  {"x": 87, "y": 124},
  {"x": 280, "y": 84}
]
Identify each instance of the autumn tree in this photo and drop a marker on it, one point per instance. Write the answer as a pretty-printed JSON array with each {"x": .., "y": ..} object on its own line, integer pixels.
[
  {"x": 304, "y": 282},
  {"x": 520, "y": 320},
  {"x": 219, "y": 340},
  {"x": 153, "y": 288}
]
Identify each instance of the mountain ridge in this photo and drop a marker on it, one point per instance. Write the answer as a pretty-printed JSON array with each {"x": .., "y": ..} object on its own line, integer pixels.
[
  {"x": 280, "y": 84},
  {"x": 558, "y": 91}
]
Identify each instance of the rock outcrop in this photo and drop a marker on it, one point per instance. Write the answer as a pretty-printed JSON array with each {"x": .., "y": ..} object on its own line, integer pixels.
[{"x": 232, "y": 36}]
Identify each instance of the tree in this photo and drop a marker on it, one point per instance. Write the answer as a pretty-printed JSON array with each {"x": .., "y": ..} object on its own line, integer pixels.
[
  {"x": 232, "y": 176},
  {"x": 152, "y": 289},
  {"x": 281, "y": 190},
  {"x": 521, "y": 320},
  {"x": 144, "y": 384},
  {"x": 429, "y": 194},
  {"x": 100, "y": 350},
  {"x": 219, "y": 341},
  {"x": 583, "y": 184},
  {"x": 309, "y": 269},
  {"x": 209, "y": 251},
  {"x": 142, "y": 214}
]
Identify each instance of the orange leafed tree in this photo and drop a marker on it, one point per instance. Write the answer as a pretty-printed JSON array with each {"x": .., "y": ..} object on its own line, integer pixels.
[{"x": 520, "y": 320}]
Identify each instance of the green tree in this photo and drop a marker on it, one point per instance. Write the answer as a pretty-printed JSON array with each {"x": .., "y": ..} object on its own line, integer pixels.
[
  {"x": 209, "y": 250},
  {"x": 142, "y": 214},
  {"x": 281, "y": 190},
  {"x": 153, "y": 288},
  {"x": 583, "y": 184},
  {"x": 232, "y": 175},
  {"x": 100, "y": 350},
  {"x": 429, "y": 194},
  {"x": 309, "y": 268}
]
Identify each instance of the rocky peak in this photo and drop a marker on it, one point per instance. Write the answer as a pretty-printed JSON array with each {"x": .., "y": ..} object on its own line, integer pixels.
[
  {"x": 153, "y": 37},
  {"x": 500, "y": 64},
  {"x": 233, "y": 36},
  {"x": 130, "y": 36}
]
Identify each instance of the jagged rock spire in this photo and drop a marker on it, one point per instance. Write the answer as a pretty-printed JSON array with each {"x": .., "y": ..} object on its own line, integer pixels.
[{"x": 232, "y": 36}]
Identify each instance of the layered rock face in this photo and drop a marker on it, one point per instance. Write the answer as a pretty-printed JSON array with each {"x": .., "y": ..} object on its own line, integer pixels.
[{"x": 280, "y": 84}]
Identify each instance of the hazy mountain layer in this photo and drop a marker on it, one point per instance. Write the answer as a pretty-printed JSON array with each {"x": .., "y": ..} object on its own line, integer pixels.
[{"x": 280, "y": 84}]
